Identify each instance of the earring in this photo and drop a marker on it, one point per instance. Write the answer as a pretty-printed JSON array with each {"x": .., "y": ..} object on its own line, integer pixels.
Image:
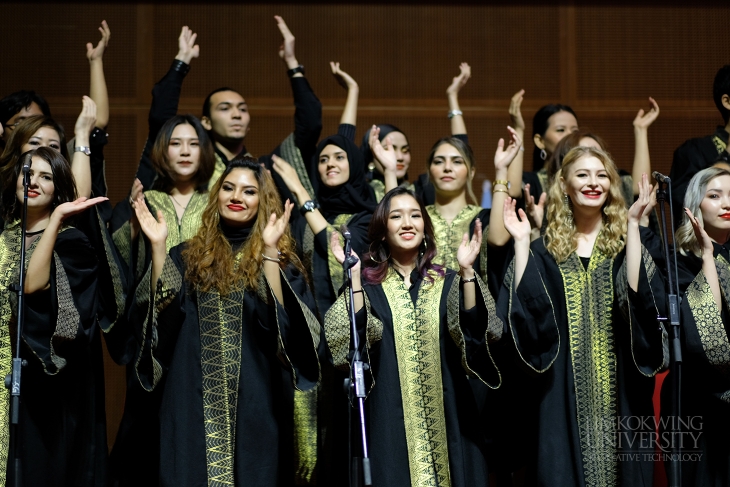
[
  {"x": 566, "y": 200},
  {"x": 543, "y": 154},
  {"x": 373, "y": 258}
]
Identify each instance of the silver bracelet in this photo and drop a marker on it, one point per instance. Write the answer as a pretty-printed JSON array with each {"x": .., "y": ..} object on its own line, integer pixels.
[
  {"x": 270, "y": 259},
  {"x": 454, "y": 113}
]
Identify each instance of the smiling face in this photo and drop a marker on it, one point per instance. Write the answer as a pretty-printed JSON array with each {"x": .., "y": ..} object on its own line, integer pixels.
[
  {"x": 587, "y": 183},
  {"x": 334, "y": 166},
  {"x": 183, "y": 152},
  {"x": 715, "y": 208},
  {"x": 44, "y": 137},
  {"x": 229, "y": 118},
  {"x": 405, "y": 224},
  {"x": 560, "y": 124},
  {"x": 448, "y": 170},
  {"x": 238, "y": 198},
  {"x": 41, "y": 188},
  {"x": 402, "y": 152}
]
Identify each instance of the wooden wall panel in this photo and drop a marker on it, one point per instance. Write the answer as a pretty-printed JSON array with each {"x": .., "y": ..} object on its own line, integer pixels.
[{"x": 604, "y": 60}]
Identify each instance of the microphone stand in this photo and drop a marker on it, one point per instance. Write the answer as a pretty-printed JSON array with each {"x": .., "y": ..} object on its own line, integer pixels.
[
  {"x": 12, "y": 381},
  {"x": 356, "y": 382},
  {"x": 675, "y": 346}
]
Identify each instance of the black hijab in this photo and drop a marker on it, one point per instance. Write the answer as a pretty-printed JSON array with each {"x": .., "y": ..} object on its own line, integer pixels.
[{"x": 355, "y": 195}]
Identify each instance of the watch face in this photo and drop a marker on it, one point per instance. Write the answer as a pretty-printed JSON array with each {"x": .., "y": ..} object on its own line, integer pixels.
[{"x": 309, "y": 206}]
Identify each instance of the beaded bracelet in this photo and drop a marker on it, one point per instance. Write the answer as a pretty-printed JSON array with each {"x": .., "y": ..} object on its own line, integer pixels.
[
  {"x": 271, "y": 259},
  {"x": 471, "y": 279}
]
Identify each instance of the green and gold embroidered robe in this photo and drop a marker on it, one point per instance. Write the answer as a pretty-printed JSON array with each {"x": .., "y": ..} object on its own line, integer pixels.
[
  {"x": 705, "y": 372},
  {"x": 420, "y": 345},
  {"x": 592, "y": 347},
  {"x": 62, "y": 439},
  {"x": 226, "y": 415}
]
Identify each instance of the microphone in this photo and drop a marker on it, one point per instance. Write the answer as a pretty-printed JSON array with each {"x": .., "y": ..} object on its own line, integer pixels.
[
  {"x": 345, "y": 232},
  {"x": 26, "y": 164},
  {"x": 660, "y": 177}
]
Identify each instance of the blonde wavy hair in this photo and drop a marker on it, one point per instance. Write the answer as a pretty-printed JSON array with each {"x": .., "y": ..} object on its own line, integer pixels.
[
  {"x": 560, "y": 238},
  {"x": 209, "y": 257},
  {"x": 685, "y": 238}
]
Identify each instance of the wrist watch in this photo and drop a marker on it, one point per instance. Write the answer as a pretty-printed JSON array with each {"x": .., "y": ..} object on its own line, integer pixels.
[
  {"x": 308, "y": 207},
  {"x": 82, "y": 148},
  {"x": 293, "y": 71}
]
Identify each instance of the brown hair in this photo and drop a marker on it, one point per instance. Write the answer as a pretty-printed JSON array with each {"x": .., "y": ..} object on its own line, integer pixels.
[
  {"x": 64, "y": 185},
  {"x": 165, "y": 180},
  {"x": 208, "y": 256},
  {"x": 22, "y": 134},
  {"x": 465, "y": 150}
]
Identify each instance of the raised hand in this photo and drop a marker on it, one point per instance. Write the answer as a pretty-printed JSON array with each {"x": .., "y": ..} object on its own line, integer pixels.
[
  {"x": 71, "y": 208},
  {"x": 459, "y": 81},
  {"x": 645, "y": 203},
  {"x": 137, "y": 190},
  {"x": 344, "y": 79},
  {"x": 519, "y": 228},
  {"x": 469, "y": 249},
  {"x": 154, "y": 229},
  {"x": 187, "y": 48},
  {"x": 339, "y": 252},
  {"x": 276, "y": 227},
  {"x": 288, "y": 174},
  {"x": 704, "y": 240},
  {"x": 385, "y": 157},
  {"x": 504, "y": 156},
  {"x": 644, "y": 119},
  {"x": 515, "y": 111},
  {"x": 94, "y": 53},
  {"x": 535, "y": 211},
  {"x": 286, "y": 50},
  {"x": 87, "y": 119}
]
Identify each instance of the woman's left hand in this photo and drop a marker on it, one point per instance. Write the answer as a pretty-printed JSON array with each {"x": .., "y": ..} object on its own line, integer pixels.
[
  {"x": 344, "y": 79},
  {"x": 504, "y": 156},
  {"x": 71, "y": 208},
  {"x": 94, "y": 53},
  {"x": 644, "y": 119},
  {"x": 645, "y": 202},
  {"x": 459, "y": 81},
  {"x": 276, "y": 226},
  {"x": 467, "y": 252},
  {"x": 383, "y": 156}
]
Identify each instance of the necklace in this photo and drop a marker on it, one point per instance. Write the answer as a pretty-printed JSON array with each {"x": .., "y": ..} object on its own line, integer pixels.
[
  {"x": 32, "y": 234},
  {"x": 174, "y": 200}
]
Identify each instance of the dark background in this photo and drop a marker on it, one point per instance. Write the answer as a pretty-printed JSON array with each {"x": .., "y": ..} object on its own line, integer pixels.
[{"x": 603, "y": 60}]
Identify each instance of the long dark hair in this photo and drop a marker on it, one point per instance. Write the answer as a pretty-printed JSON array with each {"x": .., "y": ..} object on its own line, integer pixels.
[
  {"x": 466, "y": 152},
  {"x": 64, "y": 185},
  {"x": 377, "y": 261},
  {"x": 540, "y": 124},
  {"x": 23, "y": 133},
  {"x": 160, "y": 161}
]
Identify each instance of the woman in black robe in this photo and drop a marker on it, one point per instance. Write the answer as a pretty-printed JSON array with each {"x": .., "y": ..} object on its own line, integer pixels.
[
  {"x": 592, "y": 347},
  {"x": 703, "y": 242},
  {"x": 422, "y": 329},
  {"x": 219, "y": 317},
  {"x": 61, "y": 439}
]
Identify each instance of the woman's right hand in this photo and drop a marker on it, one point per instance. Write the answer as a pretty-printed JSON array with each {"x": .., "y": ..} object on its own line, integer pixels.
[
  {"x": 459, "y": 81},
  {"x": 188, "y": 49},
  {"x": 518, "y": 228},
  {"x": 384, "y": 157},
  {"x": 339, "y": 252},
  {"x": 703, "y": 239},
  {"x": 154, "y": 229},
  {"x": 137, "y": 190},
  {"x": 86, "y": 121},
  {"x": 644, "y": 203},
  {"x": 503, "y": 157}
]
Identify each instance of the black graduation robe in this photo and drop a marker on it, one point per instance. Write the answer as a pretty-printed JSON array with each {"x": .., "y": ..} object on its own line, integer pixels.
[
  {"x": 62, "y": 433},
  {"x": 420, "y": 344},
  {"x": 705, "y": 395},
  {"x": 590, "y": 348},
  {"x": 224, "y": 419}
]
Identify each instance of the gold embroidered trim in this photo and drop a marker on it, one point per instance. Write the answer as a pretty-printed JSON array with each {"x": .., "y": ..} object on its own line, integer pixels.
[
  {"x": 542, "y": 176},
  {"x": 494, "y": 331},
  {"x": 291, "y": 154},
  {"x": 115, "y": 273},
  {"x": 448, "y": 236},
  {"x": 189, "y": 223},
  {"x": 589, "y": 300},
  {"x": 509, "y": 282},
  {"x": 416, "y": 333},
  {"x": 720, "y": 144},
  {"x": 218, "y": 170},
  {"x": 707, "y": 317},
  {"x": 306, "y": 435},
  {"x": 336, "y": 272},
  {"x": 220, "y": 323},
  {"x": 67, "y": 319},
  {"x": 123, "y": 242}
]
